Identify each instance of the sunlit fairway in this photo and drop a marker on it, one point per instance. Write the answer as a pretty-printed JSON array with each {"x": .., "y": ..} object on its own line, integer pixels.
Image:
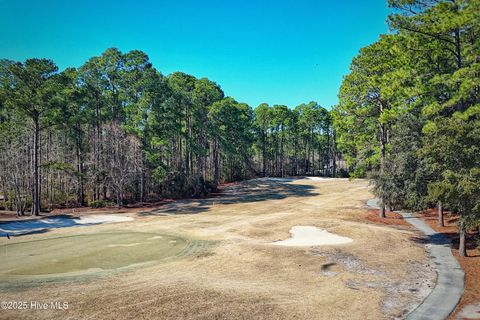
[
  {"x": 87, "y": 253},
  {"x": 213, "y": 258}
]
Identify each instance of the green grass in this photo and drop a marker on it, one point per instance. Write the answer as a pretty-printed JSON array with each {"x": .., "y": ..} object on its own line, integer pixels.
[{"x": 87, "y": 253}]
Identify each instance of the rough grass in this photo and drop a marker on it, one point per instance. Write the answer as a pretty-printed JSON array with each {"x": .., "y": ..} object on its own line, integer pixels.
[{"x": 243, "y": 276}]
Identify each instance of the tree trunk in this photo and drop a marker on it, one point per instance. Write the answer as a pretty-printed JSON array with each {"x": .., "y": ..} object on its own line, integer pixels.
[
  {"x": 216, "y": 170},
  {"x": 36, "y": 175},
  {"x": 383, "y": 142},
  {"x": 382, "y": 163},
  {"x": 382, "y": 211},
  {"x": 313, "y": 153},
  {"x": 462, "y": 249},
  {"x": 142, "y": 184},
  {"x": 282, "y": 174},
  {"x": 119, "y": 198},
  {"x": 441, "y": 220},
  {"x": 307, "y": 156},
  {"x": 458, "y": 48},
  {"x": 334, "y": 155},
  {"x": 187, "y": 141},
  {"x": 264, "y": 160},
  {"x": 96, "y": 151},
  {"x": 80, "y": 190}
]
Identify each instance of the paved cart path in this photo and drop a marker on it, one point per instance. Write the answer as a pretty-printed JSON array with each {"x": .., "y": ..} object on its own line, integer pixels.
[{"x": 450, "y": 281}]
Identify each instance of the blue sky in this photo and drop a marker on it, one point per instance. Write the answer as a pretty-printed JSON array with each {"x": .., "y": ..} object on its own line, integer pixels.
[{"x": 274, "y": 51}]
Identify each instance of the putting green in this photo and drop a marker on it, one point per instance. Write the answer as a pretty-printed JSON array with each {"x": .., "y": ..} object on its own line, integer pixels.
[{"x": 87, "y": 253}]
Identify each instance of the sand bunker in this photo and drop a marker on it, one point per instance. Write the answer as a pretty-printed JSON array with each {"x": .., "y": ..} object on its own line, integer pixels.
[
  {"x": 40, "y": 225},
  {"x": 103, "y": 218},
  {"x": 311, "y": 236},
  {"x": 325, "y": 179},
  {"x": 275, "y": 179},
  {"x": 318, "y": 179}
]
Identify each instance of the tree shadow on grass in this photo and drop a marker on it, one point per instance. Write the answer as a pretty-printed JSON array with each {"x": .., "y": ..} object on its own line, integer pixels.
[
  {"x": 438, "y": 239},
  {"x": 23, "y": 233},
  {"x": 255, "y": 190}
]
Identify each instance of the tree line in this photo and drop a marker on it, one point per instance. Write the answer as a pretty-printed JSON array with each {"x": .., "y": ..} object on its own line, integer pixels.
[
  {"x": 409, "y": 111},
  {"x": 117, "y": 130}
]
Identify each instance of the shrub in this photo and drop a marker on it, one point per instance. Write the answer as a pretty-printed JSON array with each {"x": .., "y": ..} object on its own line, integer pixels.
[{"x": 97, "y": 204}]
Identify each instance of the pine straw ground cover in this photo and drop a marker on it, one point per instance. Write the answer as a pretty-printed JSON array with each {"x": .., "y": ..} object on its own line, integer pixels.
[
  {"x": 470, "y": 264},
  {"x": 469, "y": 306}
]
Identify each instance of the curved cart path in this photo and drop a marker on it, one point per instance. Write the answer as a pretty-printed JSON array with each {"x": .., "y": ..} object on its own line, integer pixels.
[{"x": 448, "y": 290}]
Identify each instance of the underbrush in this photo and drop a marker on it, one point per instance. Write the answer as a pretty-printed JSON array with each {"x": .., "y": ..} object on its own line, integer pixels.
[{"x": 100, "y": 204}]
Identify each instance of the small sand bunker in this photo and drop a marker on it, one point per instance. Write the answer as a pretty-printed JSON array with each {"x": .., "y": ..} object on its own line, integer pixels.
[
  {"x": 40, "y": 225},
  {"x": 311, "y": 236},
  {"x": 318, "y": 178},
  {"x": 103, "y": 218},
  {"x": 325, "y": 179}
]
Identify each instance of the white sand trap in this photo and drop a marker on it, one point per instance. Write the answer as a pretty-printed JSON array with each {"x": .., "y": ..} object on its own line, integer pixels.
[
  {"x": 318, "y": 178},
  {"x": 325, "y": 179},
  {"x": 39, "y": 225},
  {"x": 102, "y": 218},
  {"x": 311, "y": 236},
  {"x": 275, "y": 179}
]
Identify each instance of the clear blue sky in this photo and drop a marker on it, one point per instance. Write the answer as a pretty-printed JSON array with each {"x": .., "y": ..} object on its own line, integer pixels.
[{"x": 274, "y": 51}]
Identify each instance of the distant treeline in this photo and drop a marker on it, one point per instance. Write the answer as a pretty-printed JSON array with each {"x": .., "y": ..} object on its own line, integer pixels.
[
  {"x": 409, "y": 111},
  {"x": 116, "y": 129}
]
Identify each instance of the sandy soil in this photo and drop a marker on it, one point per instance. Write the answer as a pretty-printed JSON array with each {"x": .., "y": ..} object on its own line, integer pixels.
[
  {"x": 309, "y": 236},
  {"x": 382, "y": 273}
]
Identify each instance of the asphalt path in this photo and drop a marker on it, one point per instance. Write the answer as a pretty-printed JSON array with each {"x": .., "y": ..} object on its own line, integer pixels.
[{"x": 450, "y": 277}]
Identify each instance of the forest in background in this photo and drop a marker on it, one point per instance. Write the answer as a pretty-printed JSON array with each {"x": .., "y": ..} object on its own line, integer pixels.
[
  {"x": 409, "y": 111},
  {"x": 116, "y": 131}
]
